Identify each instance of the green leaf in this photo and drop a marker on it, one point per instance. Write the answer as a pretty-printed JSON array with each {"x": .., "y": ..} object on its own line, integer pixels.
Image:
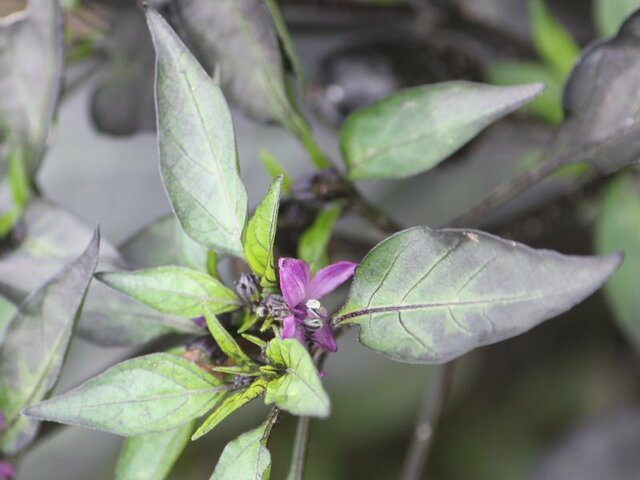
[
  {"x": 314, "y": 242},
  {"x": 618, "y": 228},
  {"x": 53, "y": 238},
  {"x": 35, "y": 346},
  {"x": 553, "y": 42},
  {"x": 275, "y": 169},
  {"x": 415, "y": 129},
  {"x": 31, "y": 63},
  {"x": 198, "y": 154},
  {"x": 298, "y": 390},
  {"x": 602, "y": 125},
  {"x": 232, "y": 402},
  {"x": 225, "y": 31},
  {"x": 164, "y": 242},
  {"x": 609, "y": 15},
  {"x": 148, "y": 394},
  {"x": 225, "y": 341},
  {"x": 245, "y": 458},
  {"x": 429, "y": 296},
  {"x": 18, "y": 179},
  {"x": 547, "y": 106},
  {"x": 152, "y": 456},
  {"x": 174, "y": 290},
  {"x": 261, "y": 235}
]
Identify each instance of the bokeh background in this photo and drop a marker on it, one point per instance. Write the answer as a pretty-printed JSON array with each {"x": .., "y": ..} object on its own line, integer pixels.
[{"x": 560, "y": 402}]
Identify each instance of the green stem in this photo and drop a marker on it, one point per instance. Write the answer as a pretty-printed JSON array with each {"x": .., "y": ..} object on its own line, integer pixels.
[
  {"x": 304, "y": 133},
  {"x": 433, "y": 403},
  {"x": 296, "y": 470}
]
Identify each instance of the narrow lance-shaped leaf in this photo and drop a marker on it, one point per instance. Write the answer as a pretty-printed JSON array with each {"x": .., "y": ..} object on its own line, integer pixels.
[
  {"x": 415, "y": 129},
  {"x": 31, "y": 59},
  {"x": 148, "y": 394},
  {"x": 152, "y": 456},
  {"x": 299, "y": 389},
  {"x": 226, "y": 30},
  {"x": 245, "y": 458},
  {"x": 175, "y": 290},
  {"x": 198, "y": 153},
  {"x": 35, "y": 346},
  {"x": 230, "y": 404},
  {"x": 429, "y": 296},
  {"x": 618, "y": 228},
  {"x": 53, "y": 237},
  {"x": 225, "y": 340},
  {"x": 261, "y": 235},
  {"x": 314, "y": 242}
]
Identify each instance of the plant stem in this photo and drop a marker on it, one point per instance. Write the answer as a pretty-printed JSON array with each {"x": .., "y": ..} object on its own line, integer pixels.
[
  {"x": 296, "y": 470},
  {"x": 378, "y": 217},
  {"x": 433, "y": 403},
  {"x": 304, "y": 133}
]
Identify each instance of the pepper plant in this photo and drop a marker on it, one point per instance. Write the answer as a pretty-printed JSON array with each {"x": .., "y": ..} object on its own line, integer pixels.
[{"x": 422, "y": 295}]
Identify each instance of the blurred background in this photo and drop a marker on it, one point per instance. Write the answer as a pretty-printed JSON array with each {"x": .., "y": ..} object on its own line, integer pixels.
[{"x": 560, "y": 402}]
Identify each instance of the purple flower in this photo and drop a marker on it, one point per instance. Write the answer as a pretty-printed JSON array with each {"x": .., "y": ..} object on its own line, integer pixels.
[
  {"x": 308, "y": 320},
  {"x": 7, "y": 471}
]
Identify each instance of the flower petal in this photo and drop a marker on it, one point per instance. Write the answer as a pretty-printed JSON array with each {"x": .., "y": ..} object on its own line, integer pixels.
[
  {"x": 7, "y": 471},
  {"x": 323, "y": 337},
  {"x": 294, "y": 280},
  {"x": 292, "y": 328},
  {"x": 329, "y": 278}
]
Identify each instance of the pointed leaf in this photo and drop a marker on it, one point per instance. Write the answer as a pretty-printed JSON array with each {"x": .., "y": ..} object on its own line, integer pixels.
[
  {"x": 197, "y": 146},
  {"x": 152, "y": 456},
  {"x": 618, "y": 228},
  {"x": 225, "y": 31},
  {"x": 299, "y": 390},
  {"x": 261, "y": 235},
  {"x": 429, "y": 296},
  {"x": 245, "y": 458},
  {"x": 35, "y": 346},
  {"x": 225, "y": 341},
  {"x": 232, "y": 402},
  {"x": 148, "y": 394},
  {"x": 602, "y": 121},
  {"x": 275, "y": 168},
  {"x": 174, "y": 290},
  {"x": 314, "y": 242},
  {"x": 52, "y": 238},
  {"x": 164, "y": 242},
  {"x": 415, "y": 129},
  {"x": 31, "y": 62}
]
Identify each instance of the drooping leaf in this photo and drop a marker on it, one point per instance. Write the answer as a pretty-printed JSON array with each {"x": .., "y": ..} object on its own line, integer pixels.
[
  {"x": 122, "y": 102},
  {"x": 164, "y": 242},
  {"x": 429, "y": 296},
  {"x": 275, "y": 169},
  {"x": 52, "y": 238},
  {"x": 225, "y": 341},
  {"x": 152, "y": 456},
  {"x": 226, "y": 30},
  {"x": 35, "y": 346},
  {"x": 198, "y": 153},
  {"x": 553, "y": 42},
  {"x": 314, "y": 242},
  {"x": 230, "y": 404},
  {"x": 610, "y": 14},
  {"x": 547, "y": 106},
  {"x": 148, "y": 394},
  {"x": 261, "y": 235},
  {"x": 31, "y": 65},
  {"x": 298, "y": 390},
  {"x": 245, "y": 458},
  {"x": 174, "y": 290},
  {"x": 618, "y": 229},
  {"x": 602, "y": 121},
  {"x": 415, "y": 129}
]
